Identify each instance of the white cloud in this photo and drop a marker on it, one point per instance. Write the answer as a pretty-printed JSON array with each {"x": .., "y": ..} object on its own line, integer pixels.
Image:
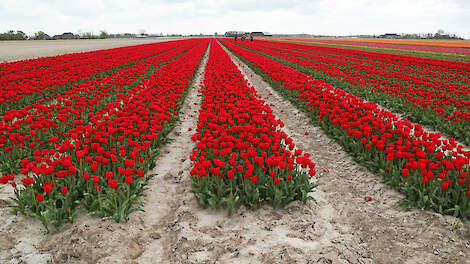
[{"x": 335, "y": 17}]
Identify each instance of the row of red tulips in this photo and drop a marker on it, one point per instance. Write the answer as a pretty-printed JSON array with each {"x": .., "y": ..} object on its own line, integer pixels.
[
  {"x": 242, "y": 155},
  {"x": 431, "y": 172},
  {"x": 21, "y": 86},
  {"x": 436, "y": 107},
  {"x": 105, "y": 139}
]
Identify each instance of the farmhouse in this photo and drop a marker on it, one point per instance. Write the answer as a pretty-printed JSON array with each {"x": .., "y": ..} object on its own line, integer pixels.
[
  {"x": 254, "y": 33},
  {"x": 66, "y": 35},
  {"x": 257, "y": 34},
  {"x": 389, "y": 36},
  {"x": 234, "y": 33},
  {"x": 261, "y": 34}
]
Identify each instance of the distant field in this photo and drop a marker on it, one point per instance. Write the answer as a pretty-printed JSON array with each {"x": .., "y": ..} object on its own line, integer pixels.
[
  {"x": 434, "y": 43},
  {"x": 436, "y": 49},
  {"x": 28, "y": 49}
]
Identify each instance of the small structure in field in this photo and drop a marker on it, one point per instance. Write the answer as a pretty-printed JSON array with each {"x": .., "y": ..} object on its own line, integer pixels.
[
  {"x": 261, "y": 34},
  {"x": 257, "y": 34},
  {"x": 234, "y": 33},
  {"x": 389, "y": 36},
  {"x": 66, "y": 35}
]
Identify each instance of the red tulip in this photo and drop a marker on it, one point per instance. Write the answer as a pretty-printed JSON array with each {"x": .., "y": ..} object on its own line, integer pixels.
[
  {"x": 95, "y": 179},
  {"x": 128, "y": 180},
  {"x": 39, "y": 197},
  {"x": 47, "y": 188},
  {"x": 113, "y": 183},
  {"x": 405, "y": 172},
  {"x": 254, "y": 179},
  {"x": 27, "y": 181}
]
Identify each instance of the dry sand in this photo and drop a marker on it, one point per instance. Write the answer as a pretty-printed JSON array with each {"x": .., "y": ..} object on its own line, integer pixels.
[
  {"x": 341, "y": 228},
  {"x": 28, "y": 49}
]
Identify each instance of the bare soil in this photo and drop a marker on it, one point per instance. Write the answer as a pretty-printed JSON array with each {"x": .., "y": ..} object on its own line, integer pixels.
[
  {"x": 27, "y": 49},
  {"x": 340, "y": 228}
]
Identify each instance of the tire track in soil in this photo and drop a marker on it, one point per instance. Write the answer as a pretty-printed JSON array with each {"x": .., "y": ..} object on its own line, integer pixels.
[
  {"x": 371, "y": 232},
  {"x": 173, "y": 185}
]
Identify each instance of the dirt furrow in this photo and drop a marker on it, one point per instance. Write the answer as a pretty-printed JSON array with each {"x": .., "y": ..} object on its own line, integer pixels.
[
  {"x": 171, "y": 188},
  {"x": 378, "y": 231}
]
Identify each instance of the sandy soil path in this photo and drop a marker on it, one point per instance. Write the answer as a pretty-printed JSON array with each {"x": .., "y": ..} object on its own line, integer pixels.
[{"x": 28, "y": 49}]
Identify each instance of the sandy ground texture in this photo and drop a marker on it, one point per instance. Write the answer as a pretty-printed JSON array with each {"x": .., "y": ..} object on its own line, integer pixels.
[
  {"x": 341, "y": 228},
  {"x": 28, "y": 49}
]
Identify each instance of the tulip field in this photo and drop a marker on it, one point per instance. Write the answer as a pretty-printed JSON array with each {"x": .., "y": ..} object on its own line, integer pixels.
[
  {"x": 83, "y": 131},
  {"x": 416, "y": 45},
  {"x": 435, "y": 49}
]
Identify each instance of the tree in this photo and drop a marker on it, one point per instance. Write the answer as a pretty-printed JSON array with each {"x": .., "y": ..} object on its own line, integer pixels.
[
  {"x": 40, "y": 35},
  {"x": 104, "y": 34},
  {"x": 20, "y": 35},
  {"x": 11, "y": 35},
  {"x": 87, "y": 35},
  {"x": 439, "y": 34}
]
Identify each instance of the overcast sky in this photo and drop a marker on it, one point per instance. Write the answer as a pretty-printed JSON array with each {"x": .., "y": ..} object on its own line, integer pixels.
[{"x": 332, "y": 17}]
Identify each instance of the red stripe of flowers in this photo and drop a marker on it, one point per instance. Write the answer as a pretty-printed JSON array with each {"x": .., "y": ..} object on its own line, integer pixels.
[{"x": 242, "y": 155}]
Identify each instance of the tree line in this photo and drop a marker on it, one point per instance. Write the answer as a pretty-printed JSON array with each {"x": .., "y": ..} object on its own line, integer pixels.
[
  {"x": 12, "y": 35},
  {"x": 40, "y": 35},
  {"x": 440, "y": 34}
]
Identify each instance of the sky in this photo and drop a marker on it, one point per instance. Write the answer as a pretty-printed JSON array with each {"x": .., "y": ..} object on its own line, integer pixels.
[{"x": 326, "y": 17}]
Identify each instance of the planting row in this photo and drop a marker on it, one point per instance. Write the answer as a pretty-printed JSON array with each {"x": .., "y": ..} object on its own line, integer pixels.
[
  {"x": 431, "y": 172},
  {"x": 242, "y": 156},
  {"x": 437, "y": 103},
  {"x": 95, "y": 145},
  {"x": 22, "y": 85}
]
